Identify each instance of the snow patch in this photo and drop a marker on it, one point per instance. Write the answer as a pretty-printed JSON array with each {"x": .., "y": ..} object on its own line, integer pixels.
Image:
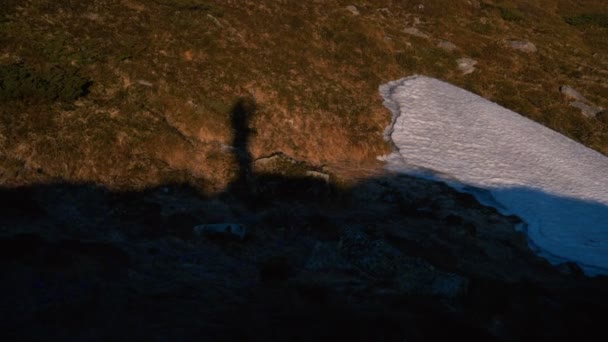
[{"x": 556, "y": 185}]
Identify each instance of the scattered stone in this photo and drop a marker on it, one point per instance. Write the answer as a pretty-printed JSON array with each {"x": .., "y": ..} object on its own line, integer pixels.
[
  {"x": 353, "y": 10},
  {"x": 274, "y": 162},
  {"x": 224, "y": 230},
  {"x": 475, "y": 4},
  {"x": 133, "y": 5},
  {"x": 145, "y": 83},
  {"x": 384, "y": 11},
  {"x": 415, "y": 32},
  {"x": 587, "y": 108},
  {"x": 447, "y": 46},
  {"x": 522, "y": 45},
  {"x": 571, "y": 93},
  {"x": 318, "y": 175},
  {"x": 466, "y": 65},
  {"x": 282, "y": 164},
  {"x": 92, "y": 16},
  {"x": 374, "y": 257}
]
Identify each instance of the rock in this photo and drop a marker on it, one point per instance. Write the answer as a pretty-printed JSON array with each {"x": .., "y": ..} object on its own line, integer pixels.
[
  {"x": 278, "y": 163},
  {"x": 384, "y": 11},
  {"x": 588, "y": 110},
  {"x": 374, "y": 257},
  {"x": 415, "y": 32},
  {"x": 571, "y": 93},
  {"x": 282, "y": 164},
  {"x": 145, "y": 83},
  {"x": 133, "y": 5},
  {"x": 377, "y": 259},
  {"x": 466, "y": 65},
  {"x": 224, "y": 230},
  {"x": 353, "y": 10},
  {"x": 522, "y": 45},
  {"x": 447, "y": 46},
  {"x": 318, "y": 175},
  {"x": 475, "y": 4}
]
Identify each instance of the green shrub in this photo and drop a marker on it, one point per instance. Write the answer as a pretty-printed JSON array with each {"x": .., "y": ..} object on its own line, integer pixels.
[
  {"x": 191, "y": 5},
  {"x": 510, "y": 14},
  {"x": 406, "y": 61},
  {"x": 595, "y": 19},
  {"x": 18, "y": 81}
]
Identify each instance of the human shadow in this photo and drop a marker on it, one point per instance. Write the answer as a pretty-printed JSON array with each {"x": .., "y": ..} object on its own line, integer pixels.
[{"x": 240, "y": 117}]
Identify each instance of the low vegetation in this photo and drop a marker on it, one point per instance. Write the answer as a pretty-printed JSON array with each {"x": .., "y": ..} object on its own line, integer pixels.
[
  {"x": 138, "y": 92},
  {"x": 18, "y": 82},
  {"x": 596, "y": 19}
]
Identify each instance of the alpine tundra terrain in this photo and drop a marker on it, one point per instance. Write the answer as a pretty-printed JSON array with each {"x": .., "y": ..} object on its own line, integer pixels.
[{"x": 209, "y": 170}]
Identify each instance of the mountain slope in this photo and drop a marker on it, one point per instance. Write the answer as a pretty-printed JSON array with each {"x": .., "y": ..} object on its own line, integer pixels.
[{"x": 156, "y": 80}]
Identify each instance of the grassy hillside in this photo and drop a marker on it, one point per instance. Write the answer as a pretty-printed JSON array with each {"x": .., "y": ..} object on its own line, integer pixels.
[{"x": 135, "y": 93}]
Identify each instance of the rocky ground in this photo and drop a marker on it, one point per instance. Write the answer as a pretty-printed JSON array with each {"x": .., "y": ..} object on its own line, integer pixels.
[{"x": 390, "y": 259}]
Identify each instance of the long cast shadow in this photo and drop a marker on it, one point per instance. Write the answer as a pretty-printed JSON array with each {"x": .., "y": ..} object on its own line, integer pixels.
[{"x": 240, "y": 117}]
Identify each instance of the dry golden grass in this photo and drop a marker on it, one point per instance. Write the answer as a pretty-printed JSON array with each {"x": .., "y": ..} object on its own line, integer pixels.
[{"x": 166, "y": 74}]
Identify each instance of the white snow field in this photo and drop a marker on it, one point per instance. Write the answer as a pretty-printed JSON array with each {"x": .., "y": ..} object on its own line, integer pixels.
[{"x": 557, "y": 186}]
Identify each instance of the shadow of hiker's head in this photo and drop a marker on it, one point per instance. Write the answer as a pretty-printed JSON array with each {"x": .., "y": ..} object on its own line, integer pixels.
[{"x": 240, "y": 116}]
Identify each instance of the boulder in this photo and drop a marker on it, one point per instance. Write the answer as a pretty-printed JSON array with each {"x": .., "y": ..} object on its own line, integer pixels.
[
  {"x": 466, "y": 65},
  {"x": 522, "y": 45},
  {"x": 379, "y": 260},
  {"x": 447, "y": 46},
  {"x": 318, "y": 175},
  {"x": 571, "y": 93},
  {"x": 586, "y": 107},
  {"x": 415, "y": 32},
  {"x": 373, "y": 256},
  {"x": 352, "y": 9}
]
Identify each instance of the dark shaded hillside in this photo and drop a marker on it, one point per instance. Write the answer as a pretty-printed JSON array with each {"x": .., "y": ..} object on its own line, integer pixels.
[{"x": 393, "y": 258}]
